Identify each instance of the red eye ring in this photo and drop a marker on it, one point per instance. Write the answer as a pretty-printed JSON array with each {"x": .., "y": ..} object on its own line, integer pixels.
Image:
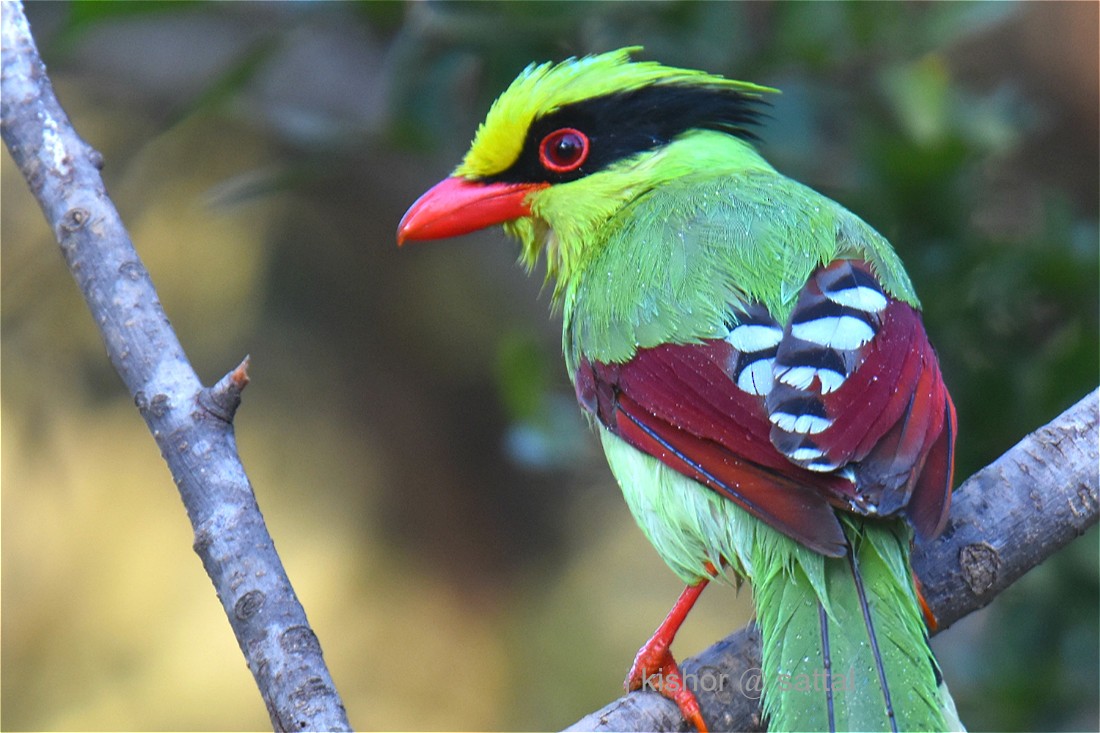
[{"x": 564, "y": 150}]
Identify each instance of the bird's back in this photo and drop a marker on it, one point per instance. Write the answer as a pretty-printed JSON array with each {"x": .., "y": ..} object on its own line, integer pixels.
[{"x": 680, "y": 262}]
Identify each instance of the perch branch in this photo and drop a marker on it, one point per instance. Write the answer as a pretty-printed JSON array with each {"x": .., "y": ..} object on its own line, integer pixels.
[
  {"x": 1005, "y": 519},
  {"x": 192, "y": 425}
]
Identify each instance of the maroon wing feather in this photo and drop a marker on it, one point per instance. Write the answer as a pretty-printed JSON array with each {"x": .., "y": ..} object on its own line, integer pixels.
[
  {"x": 675, "y": 403},
  {"x": 931, "y": 497},
  {"x": 843, "y": 406}
]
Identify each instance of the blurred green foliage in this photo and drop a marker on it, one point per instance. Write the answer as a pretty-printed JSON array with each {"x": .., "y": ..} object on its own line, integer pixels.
[{"x": 413, "y": 437}]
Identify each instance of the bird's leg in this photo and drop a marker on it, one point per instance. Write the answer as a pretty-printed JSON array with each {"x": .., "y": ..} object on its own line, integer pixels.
[{"x": 655, "y": 668}]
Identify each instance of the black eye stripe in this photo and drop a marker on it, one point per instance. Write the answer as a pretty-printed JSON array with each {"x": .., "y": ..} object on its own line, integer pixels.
[{"x": 627, "y": 123}]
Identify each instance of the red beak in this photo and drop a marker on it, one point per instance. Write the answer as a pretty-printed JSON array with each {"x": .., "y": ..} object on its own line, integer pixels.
[{"x": 456, "y": 206}]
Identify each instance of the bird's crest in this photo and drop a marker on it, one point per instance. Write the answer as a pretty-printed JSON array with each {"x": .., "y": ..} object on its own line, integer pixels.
[{"x": 544, "y": 88}]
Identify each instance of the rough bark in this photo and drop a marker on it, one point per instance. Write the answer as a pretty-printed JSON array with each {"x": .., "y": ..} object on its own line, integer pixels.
[
  {"x": 192, "y": 425},
  {"x": 1005, "y": 520}
]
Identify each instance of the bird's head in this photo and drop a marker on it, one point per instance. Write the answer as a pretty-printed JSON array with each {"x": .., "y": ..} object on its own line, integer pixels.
[{"x": 568, "y": 145}]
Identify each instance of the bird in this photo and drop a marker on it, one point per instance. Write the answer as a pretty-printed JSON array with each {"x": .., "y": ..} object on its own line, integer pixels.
[{"x": 752, "y": 357}]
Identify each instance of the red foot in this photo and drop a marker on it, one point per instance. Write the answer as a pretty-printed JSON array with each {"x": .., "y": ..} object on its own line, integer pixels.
[{"x": 655, "y": 668}]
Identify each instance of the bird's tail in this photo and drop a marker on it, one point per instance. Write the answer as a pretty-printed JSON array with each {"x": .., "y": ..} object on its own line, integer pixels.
[{"x": 845, "y": 646}]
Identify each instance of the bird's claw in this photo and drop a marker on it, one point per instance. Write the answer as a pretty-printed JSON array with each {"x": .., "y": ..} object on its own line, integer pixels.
[{"x": 655, "y": 669}]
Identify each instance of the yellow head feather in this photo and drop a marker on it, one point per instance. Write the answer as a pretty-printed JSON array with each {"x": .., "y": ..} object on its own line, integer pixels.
[{"x": 544, "y": 88}]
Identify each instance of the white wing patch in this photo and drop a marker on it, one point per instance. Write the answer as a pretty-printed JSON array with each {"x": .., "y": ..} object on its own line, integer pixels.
[
  {"x": 802, "y": 377},
  {"x": 806, "y": 453},
  {"x": 750, "y": 337},
  {"x": 860, "y": 297},
  {"x": 804, "y": 423},
  {"x": 756, "y": 378},
  {"x": 844, "y": 333},
  {"x": 755, "y": 338}
]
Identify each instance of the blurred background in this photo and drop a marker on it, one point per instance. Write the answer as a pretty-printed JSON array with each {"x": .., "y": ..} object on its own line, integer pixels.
[{"x": 444, "y": 513}]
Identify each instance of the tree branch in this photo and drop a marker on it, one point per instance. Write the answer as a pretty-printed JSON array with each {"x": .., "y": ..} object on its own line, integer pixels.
[
  {"x": 1005, "y": 520},
  {"x": 192, "y": 425}
]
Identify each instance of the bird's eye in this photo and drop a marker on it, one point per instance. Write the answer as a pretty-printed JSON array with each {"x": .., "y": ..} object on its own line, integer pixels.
[{"x": 563, "y": 150}]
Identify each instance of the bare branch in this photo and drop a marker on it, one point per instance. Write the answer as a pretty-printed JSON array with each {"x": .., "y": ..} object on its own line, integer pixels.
[
  {"x": 192, "y": 426},
  {"x": 1005, "y": 520}
]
